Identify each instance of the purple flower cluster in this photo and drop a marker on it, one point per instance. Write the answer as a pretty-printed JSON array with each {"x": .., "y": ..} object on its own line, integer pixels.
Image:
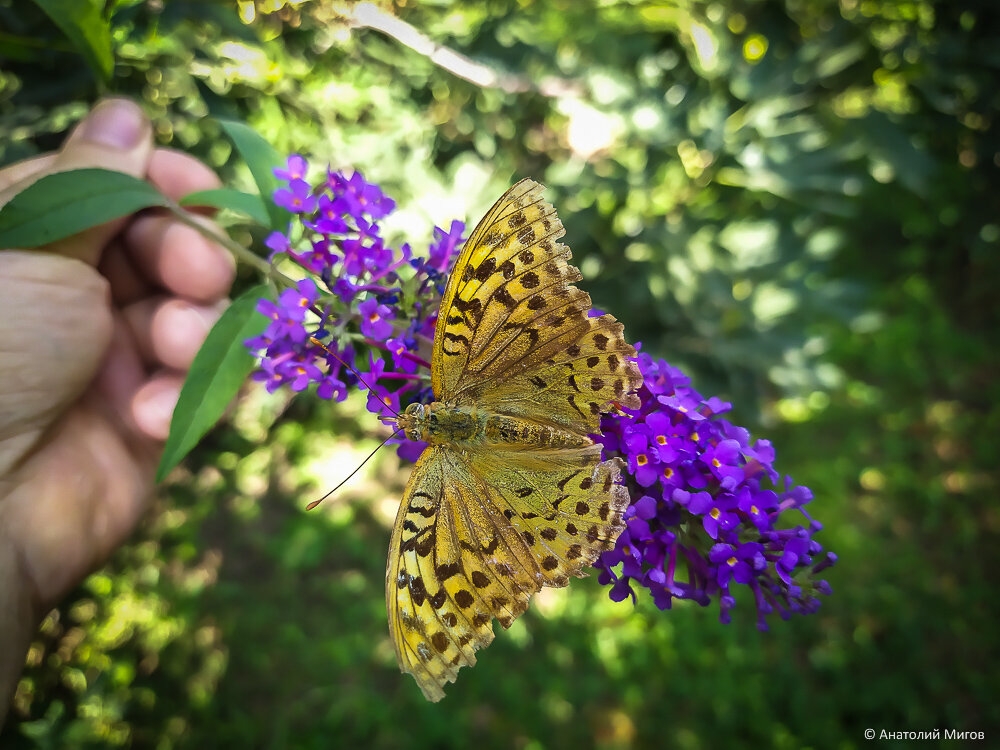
[
  {"x": 365, "y": 297},
  {"x": 699, "y": 504},
  {"x": 701, "y": 518}
]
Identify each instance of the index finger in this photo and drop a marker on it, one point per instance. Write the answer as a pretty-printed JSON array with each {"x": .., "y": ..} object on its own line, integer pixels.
[
  {"x": 177, "y": 174},
  {"x": 174, "y": 256}
]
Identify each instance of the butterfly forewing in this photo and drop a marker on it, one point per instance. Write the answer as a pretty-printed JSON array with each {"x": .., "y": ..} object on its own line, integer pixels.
[
  {"x": 471, "y": 550},
  {"x": 566, "y": 505},
  {"x": 518, "y": 338},
  {"x": 436, "y": 620},
  {"x": 460, "y": 315}
]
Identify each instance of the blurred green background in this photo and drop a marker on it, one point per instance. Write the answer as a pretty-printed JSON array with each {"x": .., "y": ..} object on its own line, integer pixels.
[{"x": 797, "y": 202}]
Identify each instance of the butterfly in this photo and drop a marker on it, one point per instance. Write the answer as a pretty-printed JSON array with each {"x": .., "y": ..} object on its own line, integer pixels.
[{"x": 510, "y": 494}]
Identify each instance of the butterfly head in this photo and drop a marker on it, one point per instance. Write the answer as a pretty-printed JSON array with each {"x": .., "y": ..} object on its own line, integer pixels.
[{"x": 413, "y": 421}]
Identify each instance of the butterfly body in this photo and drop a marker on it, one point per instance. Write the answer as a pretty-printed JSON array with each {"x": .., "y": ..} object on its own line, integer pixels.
[
  {"x": 510, "y": 494},
  {"x": 464, "y": 427}
]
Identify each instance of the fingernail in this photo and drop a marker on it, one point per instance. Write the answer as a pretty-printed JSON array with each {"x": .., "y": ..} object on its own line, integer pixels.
[
  {"x": 154, "y": 412},
  {"x": 162, "y": 405},
  {"x": 118, "y": 123},
  {"x": 194, "y": 320}
]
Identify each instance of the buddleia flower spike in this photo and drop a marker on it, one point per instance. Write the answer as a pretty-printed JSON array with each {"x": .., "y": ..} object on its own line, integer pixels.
[{"x": 545, "y": 444}]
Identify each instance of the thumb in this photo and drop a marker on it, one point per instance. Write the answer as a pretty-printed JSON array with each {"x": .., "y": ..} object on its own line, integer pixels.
[{"x": 115, "y": 135}]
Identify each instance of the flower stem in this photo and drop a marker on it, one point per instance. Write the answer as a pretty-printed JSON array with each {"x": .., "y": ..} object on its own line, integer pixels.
[{"x": 239, "y": 252}]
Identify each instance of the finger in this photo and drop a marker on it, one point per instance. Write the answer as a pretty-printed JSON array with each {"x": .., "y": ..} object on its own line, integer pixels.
[
  {"x": 72, "y": 503},
  {"x": 179, "y": 258},
  {"x": 45, "y": 364},
  {"x": 115, "y": 135},
  {"x": 176, "y": 174},
  {"x": 153, "y": 405},
  {"x": 121, "y": 375},
  {"x": 22, "y": 170},
  {"x": 127, "y": 284},
  {"x": 169, "y": 331}
]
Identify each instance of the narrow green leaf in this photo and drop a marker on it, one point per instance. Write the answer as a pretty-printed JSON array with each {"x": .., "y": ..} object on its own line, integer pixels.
[
  {"x": 83, "y": 23},
  {"x": 234, "y": 200},
  {"x": 219, "y": 369},
  {"x": 261, "y": 157},
  {"x": 23, "y": 48},
  {"x": 62, "y": 204}
]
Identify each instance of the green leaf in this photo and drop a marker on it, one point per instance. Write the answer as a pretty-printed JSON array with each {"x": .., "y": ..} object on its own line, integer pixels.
[
  {"x": 261, "y": 157},
  {"x": 234, "y": 200},
  {"x": 23, "y": 48},
  {"x": 83, "y": 23},
  {"x": 62, "y": 204},
  {"x": 219, "y": 369}
]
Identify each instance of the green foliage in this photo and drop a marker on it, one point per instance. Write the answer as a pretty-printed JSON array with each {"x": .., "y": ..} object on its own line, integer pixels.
[
  {"x": 83, "y": 24},
  {"x": 792, "y": 200},
  {"x": 261, "y": 158},
  {"x": 248, "y": 204}
]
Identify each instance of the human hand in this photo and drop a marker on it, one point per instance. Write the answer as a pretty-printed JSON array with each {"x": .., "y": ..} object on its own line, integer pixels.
[{"x": 96, "y": 331}]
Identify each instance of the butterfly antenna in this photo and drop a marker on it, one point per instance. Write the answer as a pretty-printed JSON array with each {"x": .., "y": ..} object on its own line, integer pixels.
[
  {"x": 357, "y": 374},
  {"x": 314, "y": 503}
]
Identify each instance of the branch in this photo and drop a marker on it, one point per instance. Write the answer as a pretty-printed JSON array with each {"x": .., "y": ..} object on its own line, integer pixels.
[{"x": 368, "y": 15}]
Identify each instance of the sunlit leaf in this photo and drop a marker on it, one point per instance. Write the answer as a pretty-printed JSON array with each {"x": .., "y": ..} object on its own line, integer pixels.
[
  {"x": 261, "y": 157},
  {"x": 234, "y": 200},
  {"x": 83, "y": 23}
]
